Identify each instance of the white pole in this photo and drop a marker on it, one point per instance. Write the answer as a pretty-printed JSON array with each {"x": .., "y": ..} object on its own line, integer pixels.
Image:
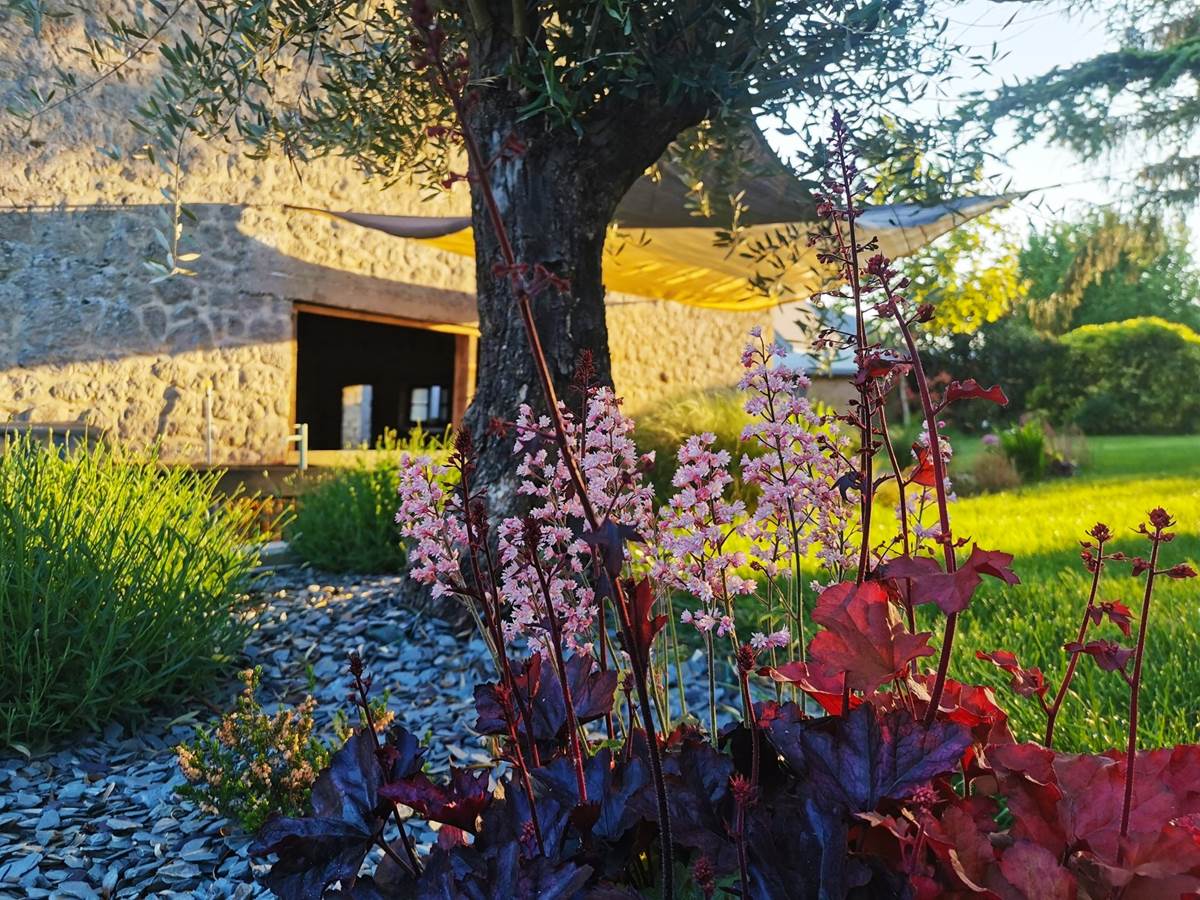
[{"x": 208, "y": 426}]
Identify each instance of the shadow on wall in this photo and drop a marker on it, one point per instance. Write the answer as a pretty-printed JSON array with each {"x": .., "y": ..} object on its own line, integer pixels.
[{"x": 87, "y": 338}]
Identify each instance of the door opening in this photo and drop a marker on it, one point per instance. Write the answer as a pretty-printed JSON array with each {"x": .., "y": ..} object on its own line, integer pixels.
[{"x": 356, "y": 379}]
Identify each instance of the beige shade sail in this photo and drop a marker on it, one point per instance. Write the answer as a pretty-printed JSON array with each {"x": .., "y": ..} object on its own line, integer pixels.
[{"x": 659, "y": 249}]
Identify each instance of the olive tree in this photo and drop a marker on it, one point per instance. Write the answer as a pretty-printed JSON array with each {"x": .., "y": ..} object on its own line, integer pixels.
[{"x": 593, "y": 92}]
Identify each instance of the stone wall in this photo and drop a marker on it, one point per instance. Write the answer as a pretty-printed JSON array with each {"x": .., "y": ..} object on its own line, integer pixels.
[
  {"x": 664, "y": 350},
  {"x": 85, "y": 336}
]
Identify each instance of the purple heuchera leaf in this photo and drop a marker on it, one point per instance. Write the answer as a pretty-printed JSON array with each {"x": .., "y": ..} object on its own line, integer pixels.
[
  {"x": 504, "y": 873},
  {"x": 330, "y": 845},
  {"x": 697, "y": 778},
  {"x": 591, "y": 690},
  {"x": 609, "y": 544},
  {"x": 458, "y": 803},
  {"x": 538, "y": 685},
  {"x": 610, "y": 786},
  {"x": 855, "y": 761}
]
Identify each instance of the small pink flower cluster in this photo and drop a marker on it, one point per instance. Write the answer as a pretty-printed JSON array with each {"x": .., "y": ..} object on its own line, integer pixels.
[
  {"x": 776, "y": 639},
  {"x": 612, "y": 471},
  {"x": 797, "y": 468},
  {"x": 612, "y": 467},
  {"x": 694, "y": 528},
  {"x": 430, "y": 516}
]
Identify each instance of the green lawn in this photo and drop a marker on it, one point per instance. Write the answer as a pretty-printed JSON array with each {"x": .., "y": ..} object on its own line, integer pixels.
[{"x": 1041, "y": 525}]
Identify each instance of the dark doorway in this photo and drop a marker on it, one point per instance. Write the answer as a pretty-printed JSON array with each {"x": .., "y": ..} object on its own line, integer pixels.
[{"x": 410, "y": 372}]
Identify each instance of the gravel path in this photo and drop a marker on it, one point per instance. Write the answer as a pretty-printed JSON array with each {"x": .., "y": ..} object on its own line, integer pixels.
[{"x": 98, "y": 818}]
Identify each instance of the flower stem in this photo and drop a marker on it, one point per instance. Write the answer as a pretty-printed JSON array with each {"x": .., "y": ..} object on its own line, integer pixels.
[
  {"x": 1060, "y": 696},
  {"x": 1136, "y": 683},
  {"x": 939, "y": 478}
]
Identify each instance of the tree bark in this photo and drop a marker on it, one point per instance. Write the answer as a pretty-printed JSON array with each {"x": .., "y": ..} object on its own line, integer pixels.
[
  {"x": 557, "y": 200},
  {"x": 557, "y": 218}
]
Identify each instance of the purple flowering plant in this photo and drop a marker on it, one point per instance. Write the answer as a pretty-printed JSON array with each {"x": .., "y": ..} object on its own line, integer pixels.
[{"x": 856, "y": 766}]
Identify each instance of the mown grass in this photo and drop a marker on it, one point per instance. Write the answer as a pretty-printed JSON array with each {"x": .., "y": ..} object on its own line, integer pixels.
[{"x": 1042, "y": 525}]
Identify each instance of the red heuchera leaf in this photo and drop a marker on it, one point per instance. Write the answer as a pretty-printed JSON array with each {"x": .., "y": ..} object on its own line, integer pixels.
[
  {"x": 923, "y": 472},
  {"x": 1026, "y": 682},
  {"x": 967, "y": 704},
  {"x": 1030, "y": 870},
  {"x": 458, "y": 803},
  {"x": 1026, "y": 776},
  {"x": 863, "y": 637},
  {"x": 1068, "y": 801},
  {"x": 960, "y": 841},
  {"x": 1117, "y": 613},
  {"x": 970, "y": 389},
  {"x": 645, "y": 625},
  {"x": 1109, "y": 655},
  {"x": 824, "y": 688},
  {"x": 1166, "y": 864},
  {"x": 951, "y": 592}
]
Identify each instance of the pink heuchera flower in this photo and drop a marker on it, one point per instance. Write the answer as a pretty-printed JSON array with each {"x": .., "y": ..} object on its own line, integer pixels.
[
  {"x": 613, "y": 473},
  {"x": 694, "y": 528},
  {"x": 776, "y": 639},
  {"x": 795, "y": 469},
  {"x": 431, "y": 517}
]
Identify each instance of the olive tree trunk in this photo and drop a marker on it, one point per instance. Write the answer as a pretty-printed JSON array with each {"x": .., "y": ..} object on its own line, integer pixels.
[{"x": 557, "y": 199}]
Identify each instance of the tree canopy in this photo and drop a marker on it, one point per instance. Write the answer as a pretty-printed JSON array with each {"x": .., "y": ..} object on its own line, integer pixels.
[
  {"x": 1106, "y": 268},
  {"x": 1143, "y": 94},
  {"x": 309, "y": 79}
]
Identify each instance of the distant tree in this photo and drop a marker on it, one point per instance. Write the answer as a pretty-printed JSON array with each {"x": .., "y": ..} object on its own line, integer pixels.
[
  {"x": 1141, "y": 95},
  {"x": 972, "y": 276},
  {"x": 1106, "y": 268},
  {"x": 580, "y": 98}
]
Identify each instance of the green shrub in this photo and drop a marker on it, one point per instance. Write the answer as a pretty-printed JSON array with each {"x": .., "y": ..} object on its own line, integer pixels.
[
  {"x": 1130, "y": 377},
  {"x": 118, "y": 581},
  {"x": 993, "y": 471},
  {"x": 254, "y": 764},
  {"x": 345, "y": 516},
  {"x": 1007, "y": 352},
  {"x": 1024, "y": 446}
]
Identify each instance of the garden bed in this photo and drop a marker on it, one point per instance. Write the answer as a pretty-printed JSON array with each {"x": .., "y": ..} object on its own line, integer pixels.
[{"x": 99, "y": 816}]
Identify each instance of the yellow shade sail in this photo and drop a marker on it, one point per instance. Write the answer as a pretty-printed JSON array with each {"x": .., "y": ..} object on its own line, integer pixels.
[{"x": 684, "y": 263}]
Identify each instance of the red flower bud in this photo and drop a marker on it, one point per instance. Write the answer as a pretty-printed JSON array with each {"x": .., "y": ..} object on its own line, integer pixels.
[{"x": 1160, "y": 518}]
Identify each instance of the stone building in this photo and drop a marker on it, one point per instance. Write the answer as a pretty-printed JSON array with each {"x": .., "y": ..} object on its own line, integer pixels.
[
  {"x": 285, "y": 308},
  {"x": 289, "y": 315}
]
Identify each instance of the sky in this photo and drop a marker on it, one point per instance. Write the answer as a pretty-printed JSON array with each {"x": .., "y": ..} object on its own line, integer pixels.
[{"x": 1038, "y": 37}]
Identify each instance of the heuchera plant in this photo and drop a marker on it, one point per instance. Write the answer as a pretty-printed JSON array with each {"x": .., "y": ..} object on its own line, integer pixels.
[{"x": 852, "y": 770}]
